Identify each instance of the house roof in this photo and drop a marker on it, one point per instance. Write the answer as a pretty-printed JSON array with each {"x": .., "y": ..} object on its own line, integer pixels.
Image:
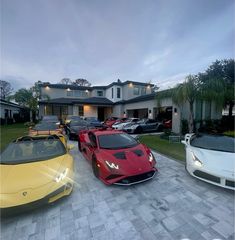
[
  {"x": 75, "y": 87},
  {"x": 70, "y": 101},
  {"x": 8, "y": 103}
]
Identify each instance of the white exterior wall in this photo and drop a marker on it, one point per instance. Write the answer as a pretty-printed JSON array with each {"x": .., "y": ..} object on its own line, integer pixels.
[
  {"x": 59, "y": 93},
  {"x": 128, "y": 91},
  {"x": 12, "y": 108}
]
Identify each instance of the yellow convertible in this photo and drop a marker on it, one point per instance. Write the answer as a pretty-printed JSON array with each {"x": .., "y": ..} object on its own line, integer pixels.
[{"x": 34, "y": 170}]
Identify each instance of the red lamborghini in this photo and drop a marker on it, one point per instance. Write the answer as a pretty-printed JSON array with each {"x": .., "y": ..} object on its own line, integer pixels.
[{"x": 116, "y": 157}]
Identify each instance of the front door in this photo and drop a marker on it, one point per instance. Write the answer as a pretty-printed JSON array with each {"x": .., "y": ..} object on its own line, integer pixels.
[{"x": 101, "y": 113}]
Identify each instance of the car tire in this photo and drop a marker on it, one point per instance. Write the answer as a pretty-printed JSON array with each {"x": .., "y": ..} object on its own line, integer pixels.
[
  {"x": 95, "y": 167},
  {"x": 139, "y": 130}
]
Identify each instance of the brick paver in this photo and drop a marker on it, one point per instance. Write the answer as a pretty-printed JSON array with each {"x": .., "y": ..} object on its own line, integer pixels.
[{"x": 171, "y": 206}]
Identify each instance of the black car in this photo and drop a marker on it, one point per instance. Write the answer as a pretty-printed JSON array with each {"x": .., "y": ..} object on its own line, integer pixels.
[
  {"x": 144, "y": 125},
  {"x": 93, "y": 122},
  {"x": 74, "y": 127}
]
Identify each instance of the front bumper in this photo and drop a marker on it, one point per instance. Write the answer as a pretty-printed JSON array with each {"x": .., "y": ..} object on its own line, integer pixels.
[
  {"x": 126, "y": 180},
  {"x": 50, "y": 198},
  {"x": 211, "y": 177}
]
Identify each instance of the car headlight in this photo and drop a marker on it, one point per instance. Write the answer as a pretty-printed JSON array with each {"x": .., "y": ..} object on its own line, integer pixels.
[
  {"x": 151, "y": 157},
  {"x": 197, "y": 162},
  {"x": 112, "y": 165},
  {"x": 62, "y": 175}
]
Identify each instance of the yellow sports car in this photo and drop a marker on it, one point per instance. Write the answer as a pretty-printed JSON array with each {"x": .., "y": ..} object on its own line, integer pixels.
[{"x": 34, "y": 170}]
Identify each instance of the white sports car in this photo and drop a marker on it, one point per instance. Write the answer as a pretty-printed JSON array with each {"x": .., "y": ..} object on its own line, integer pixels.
[
  {"x": 121, "y": 125},
  {"x": 211, "y": 158}
]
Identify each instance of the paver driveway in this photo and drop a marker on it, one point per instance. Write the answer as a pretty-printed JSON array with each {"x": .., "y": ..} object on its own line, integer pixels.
[{"x": 172, "y": 206}]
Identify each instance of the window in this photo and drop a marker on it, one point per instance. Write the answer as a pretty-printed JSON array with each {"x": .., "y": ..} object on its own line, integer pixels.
[
  {"x": 70, "y": 93},
  {"x": 77, "y": 93},
  {"x": 112, "y": 92},
  {"x": 100, "y": 93},
  {"x": 136, "y": 91},
  {"x": 80, "y": 111},
  {"x": 118, "y": 92},
  {"x": 92, "y": 139},
  {"x": 143, "y": 91}
]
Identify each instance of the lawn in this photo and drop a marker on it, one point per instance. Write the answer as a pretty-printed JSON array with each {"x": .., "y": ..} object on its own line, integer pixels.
[
  {"x": 11, "y": 132},
  {"x": 173, "y": 150}
]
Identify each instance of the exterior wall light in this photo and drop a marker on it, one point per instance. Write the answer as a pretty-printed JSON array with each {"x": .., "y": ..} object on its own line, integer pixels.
[
  {"x": 86, "y": 91},
  {"x": 130, "y": 84},
  {"x": 68, "y": 89},
  {"x": 47, "y": 87},
  {"x": 148, "y": 87}
]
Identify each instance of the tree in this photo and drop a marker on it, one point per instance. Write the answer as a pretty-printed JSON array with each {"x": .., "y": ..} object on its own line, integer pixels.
[
  {"x": 66, "y": 81},
  {"x": 81, "y": 82},
  {"x": 218, "y": 83},
  {"x": 6, "y": 89},
  {"x": 29, "y": 97}
]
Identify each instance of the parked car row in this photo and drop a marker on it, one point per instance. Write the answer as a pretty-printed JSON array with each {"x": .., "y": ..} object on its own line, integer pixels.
[{"x": 38, "y": 169}]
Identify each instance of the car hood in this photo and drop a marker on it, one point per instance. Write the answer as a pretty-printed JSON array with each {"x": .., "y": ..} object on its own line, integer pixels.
[
  {"x": 13, "y": 178},
  {"x": 129, "y": 160},
  {"x": 128, "y": 125},
  {"x": 221, "y": 162}
]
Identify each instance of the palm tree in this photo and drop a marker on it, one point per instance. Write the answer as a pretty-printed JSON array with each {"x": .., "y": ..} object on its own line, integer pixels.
[{"x": 187, "y": 92}]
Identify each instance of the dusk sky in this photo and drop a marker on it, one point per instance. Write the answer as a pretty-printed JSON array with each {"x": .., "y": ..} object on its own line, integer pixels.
[{"x": 103, "y": 40}]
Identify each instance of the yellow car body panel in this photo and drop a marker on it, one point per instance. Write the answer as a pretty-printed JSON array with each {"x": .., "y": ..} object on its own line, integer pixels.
[{"x": 28, "y": 182}]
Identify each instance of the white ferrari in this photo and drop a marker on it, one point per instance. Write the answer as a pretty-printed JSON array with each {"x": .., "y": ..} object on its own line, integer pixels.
[{"x": 211, "y": 158}]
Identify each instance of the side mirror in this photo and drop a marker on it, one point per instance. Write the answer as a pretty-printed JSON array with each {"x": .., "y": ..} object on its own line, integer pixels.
[
  {"x": 70, "y": 147},
  {"x": 184, "y": 142}
]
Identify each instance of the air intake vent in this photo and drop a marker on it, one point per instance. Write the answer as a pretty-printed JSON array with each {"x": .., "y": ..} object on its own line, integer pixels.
[
  {"x": 138, "y": 152},
  {"x": 120, "y": 155}
]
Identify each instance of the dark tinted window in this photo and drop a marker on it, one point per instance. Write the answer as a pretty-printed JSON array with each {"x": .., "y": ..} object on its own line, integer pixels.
[
  {"x": 212, "y": 142},
  {"x": 116, "y": 141}
]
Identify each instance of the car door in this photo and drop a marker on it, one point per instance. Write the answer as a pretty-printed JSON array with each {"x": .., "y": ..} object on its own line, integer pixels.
[
  {"x": 151, "y": 125},
  {"x": 91, "y": 146}
]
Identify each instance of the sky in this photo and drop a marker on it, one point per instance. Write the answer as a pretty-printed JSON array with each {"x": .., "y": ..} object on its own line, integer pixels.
[{"x": 161, "y": 41}]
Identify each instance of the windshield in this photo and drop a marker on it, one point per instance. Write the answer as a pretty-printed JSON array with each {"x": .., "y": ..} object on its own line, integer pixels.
[
  {"x": 92, "y": 119},
  {"x": 116, "y": 141},
  {"x": 78, "y": 123},
  {"x": 50, "y": 118},
  {"x": 142, "y": 121},
  {"x": 32, "y": 151},
  {"x": 44, "y": 127},
  {"x": 213, "y": 142}
]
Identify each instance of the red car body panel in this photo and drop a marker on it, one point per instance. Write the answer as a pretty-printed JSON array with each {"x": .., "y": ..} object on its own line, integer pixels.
[{"x": 132, "y": 165}]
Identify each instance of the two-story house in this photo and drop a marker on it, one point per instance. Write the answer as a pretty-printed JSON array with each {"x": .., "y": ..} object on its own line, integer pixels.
[{"x": 96, "y": 101}]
